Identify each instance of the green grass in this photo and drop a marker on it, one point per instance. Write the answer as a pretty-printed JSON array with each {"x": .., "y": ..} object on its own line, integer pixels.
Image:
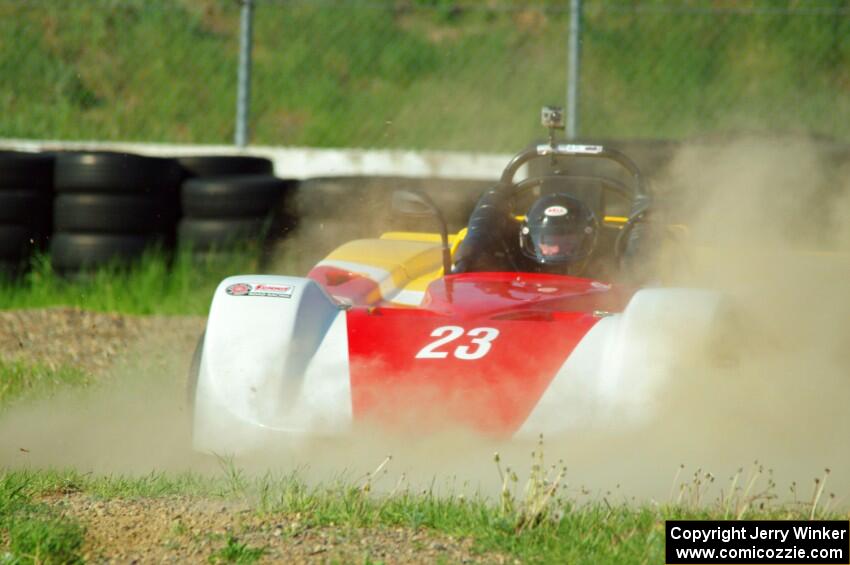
[
  {"x": 236, "y": 552},
  {"x": 33, "y": 532},
  {"x": 20, "y": 380},
  {"x": 428, "y": 75},
  {"x": 153, "y": 285},
  {"x": 564, "y": 531}
]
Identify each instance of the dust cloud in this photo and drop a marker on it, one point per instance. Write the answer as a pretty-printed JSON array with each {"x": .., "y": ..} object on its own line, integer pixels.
[
  {"x": 767, "y": 227},
  {"x": 135, "y": 420}
]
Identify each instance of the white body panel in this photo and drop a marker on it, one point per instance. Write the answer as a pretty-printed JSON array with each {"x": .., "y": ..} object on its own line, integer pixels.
[
  {"x": 615, "y": 374},
  {"x": 271, "y": 364},
  {"x": 276, "y": 368}
]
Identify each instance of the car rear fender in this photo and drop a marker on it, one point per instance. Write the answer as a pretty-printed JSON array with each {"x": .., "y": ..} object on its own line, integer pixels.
[{"x": 615, "y": 375}]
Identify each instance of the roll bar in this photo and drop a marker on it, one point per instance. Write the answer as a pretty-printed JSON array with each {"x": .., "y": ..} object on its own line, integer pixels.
[{"x": 572, "y": 150}]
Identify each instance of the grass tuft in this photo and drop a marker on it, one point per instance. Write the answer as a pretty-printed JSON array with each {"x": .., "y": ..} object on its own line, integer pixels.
[
  {"x": 20, "y": 381},
  {"x": 236, "y": 552},
  {"x": 35, "y": 533},
  {"x": 543, "y": 524}
]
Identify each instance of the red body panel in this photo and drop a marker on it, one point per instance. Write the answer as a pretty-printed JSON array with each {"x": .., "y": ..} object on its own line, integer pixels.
[
  {"x": 480, "y": 350},
  {"x": 503, "y": 294},
  {"x": 352, "y": 286},
  {"x": 493, "y": 392}
]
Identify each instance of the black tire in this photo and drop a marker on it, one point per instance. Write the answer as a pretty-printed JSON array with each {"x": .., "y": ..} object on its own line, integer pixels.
[
  {"x": 106, "y": 213},
  {"x": 455, "y": 197},
  {"x": 23, "y": 206},
  {"x": 323, "y": 198},
  {"x": 224, "y": 165},
  {"x": 334, "y": 199},
  {"x": 32, "y": 171},
  {"x": 204, "y": 235},
  {"x": 10, "y": 269},
  {"x": 15, "y": 241},
  {"x": 313, "y": 194},
  {"x": 114, "y": 173},
  {"x": 73, "y": 251},
  {"x": 232, "y": 197}
]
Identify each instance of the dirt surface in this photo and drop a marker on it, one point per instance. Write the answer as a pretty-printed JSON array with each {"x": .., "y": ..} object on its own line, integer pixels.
[
  {"x": 91, "y": 341},
  {"x": 184, "y": 529},
  {"x": 190, "y": 530}
]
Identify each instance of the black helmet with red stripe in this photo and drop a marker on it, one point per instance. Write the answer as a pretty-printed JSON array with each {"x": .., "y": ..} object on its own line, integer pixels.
[{"x": 559, "y": 231}]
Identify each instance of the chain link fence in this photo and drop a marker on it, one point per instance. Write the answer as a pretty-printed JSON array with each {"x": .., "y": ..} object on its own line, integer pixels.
[{"x": 436, "y": 74}]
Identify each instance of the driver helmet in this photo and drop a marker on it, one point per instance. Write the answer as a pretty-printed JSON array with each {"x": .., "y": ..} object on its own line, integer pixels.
[{"x": 559, "y": 231}]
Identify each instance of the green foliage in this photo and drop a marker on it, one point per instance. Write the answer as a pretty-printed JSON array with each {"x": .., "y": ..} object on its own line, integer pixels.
[
  {"x": 156, "y": 284},
  {"x": 19, "y": 380},
  {"x": 150, "y": 485},
  {"x": 569, "y": 532},
  {"x": 236, "y": 552},
  {"x": 427, "y": 74},
  {"x": 36, "y": 539},
  {"x": 34, "y": 532}
]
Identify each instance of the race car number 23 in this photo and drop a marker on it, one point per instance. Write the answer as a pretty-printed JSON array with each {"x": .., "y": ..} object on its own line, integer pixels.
[{"x": 481, "y": 339}]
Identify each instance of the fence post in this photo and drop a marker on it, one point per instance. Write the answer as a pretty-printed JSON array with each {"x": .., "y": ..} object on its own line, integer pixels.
[
  {"x": 243, "y": 94},
  {"x": 574, "y": 61}
]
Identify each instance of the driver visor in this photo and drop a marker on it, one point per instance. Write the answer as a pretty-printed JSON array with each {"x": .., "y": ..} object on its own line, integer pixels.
[{"x": 566, "y": 241}]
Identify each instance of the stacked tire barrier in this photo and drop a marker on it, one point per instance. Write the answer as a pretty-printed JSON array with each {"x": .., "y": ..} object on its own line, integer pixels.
[
  {"x": 110, "y": 207},
  {"x": 332, "y": 210},
  {"x": 229, "y": 200},
  {"x": 98, "y": 207},
  {"x": 347, "y": 201},
  {"x": 26, "y": 186}
]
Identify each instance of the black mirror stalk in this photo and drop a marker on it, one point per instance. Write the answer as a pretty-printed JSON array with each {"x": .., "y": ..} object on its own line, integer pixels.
[{"x": 416, "y": 203}]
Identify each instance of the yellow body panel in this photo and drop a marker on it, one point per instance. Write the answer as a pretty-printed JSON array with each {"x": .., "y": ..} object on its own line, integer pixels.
[
  {"x": 404, "y": 260},
  {"x": 616, "y": 220},
  {"x": 412, "y": 259},
  {"x": 454, "y": 238},
  {"x": 422, "y": 282}
]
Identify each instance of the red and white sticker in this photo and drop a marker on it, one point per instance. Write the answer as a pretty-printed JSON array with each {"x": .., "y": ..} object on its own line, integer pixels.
[
  {"x": 238, "y": 289},
  {"x": 271, "y": 290},
  {"x": 275, "y": 290},
  {"x": 555, "y": 211}
]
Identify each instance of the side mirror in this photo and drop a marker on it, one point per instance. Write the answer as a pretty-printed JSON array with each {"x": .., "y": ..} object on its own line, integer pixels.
[
  {"x": 418, "y": 203},
  {"x": 413, "y": 203}
]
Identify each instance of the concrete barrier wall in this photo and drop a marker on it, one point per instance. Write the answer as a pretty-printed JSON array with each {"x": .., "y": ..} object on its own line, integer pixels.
[{"x": 303, "y": 162}]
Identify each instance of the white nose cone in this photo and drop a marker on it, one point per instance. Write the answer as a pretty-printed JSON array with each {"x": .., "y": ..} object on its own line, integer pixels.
[{"x": 275, "y": 359}]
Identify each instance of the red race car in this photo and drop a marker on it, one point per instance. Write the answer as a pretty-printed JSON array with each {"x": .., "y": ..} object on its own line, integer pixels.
[{"x": 508, "y": 327}]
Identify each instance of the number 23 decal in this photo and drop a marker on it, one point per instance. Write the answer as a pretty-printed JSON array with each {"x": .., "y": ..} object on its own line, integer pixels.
[{"x": 482, "y": 340}]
